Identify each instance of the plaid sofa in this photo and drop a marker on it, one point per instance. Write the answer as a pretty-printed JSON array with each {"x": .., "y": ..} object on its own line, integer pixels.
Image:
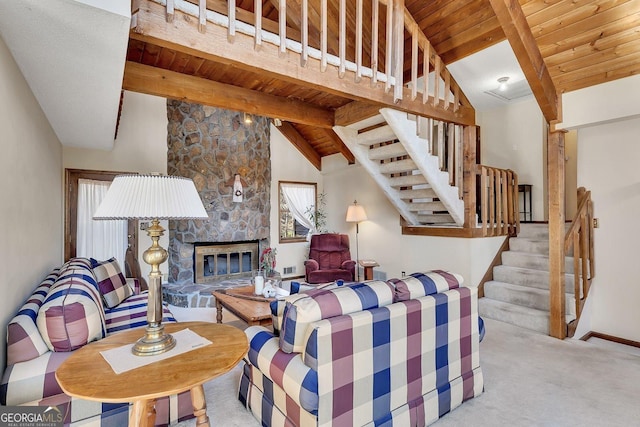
[
  {"x": 402, "y": 352},
  {"x": 35, "y": 332}
]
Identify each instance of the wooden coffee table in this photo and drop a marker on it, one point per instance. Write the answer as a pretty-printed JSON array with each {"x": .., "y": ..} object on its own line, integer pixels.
[
  {"x": 87, "y": 375},
  {"x": 242, "y": 302}
]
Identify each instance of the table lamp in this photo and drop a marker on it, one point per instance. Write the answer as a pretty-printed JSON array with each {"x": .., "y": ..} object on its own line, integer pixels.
[
  {"x": 152, "y": 197},
  {"x": 356, "y": 213}
]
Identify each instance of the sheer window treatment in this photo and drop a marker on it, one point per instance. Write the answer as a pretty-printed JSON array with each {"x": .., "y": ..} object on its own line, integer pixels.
[
  {"x": 300, "y": 198},
  {"x": 98, "y": 239}
]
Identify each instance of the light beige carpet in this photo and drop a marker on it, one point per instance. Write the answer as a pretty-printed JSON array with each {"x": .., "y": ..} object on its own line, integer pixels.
[{"x": 530, "y": 380}]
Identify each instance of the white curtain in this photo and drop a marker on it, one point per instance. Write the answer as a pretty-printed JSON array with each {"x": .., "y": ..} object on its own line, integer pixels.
[
  {"x": 300, "y": 199},
  {"x": 98, "y": 239}
]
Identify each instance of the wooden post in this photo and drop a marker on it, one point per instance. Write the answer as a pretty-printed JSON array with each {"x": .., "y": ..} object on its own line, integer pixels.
[
  {"x": 555, "y": 171},
  {"x": 469, "y": 174},
  {"x": 304, "y": 38},
  {"x": 398, "y": 49},
  {"x": 375, "y": 14},
  {"x": 258, "y": 24},
  {"x": 202, "y": 16},
  {"x": 231, "y": 13}
]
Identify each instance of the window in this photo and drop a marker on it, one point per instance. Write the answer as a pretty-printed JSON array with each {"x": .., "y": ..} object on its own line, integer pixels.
[
  {"x": 297, "y": 208},
  {"x": 79, "y": 242}
]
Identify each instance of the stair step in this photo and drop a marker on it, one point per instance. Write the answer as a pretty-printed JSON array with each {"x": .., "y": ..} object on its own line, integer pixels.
[
  {"x": 536, "y": 231},
  {"x": 436, "y": 219},
  {"x": 522, "y": 244},
  {"x": 524, "y": 296},
  {"x": 398, "y": 167},
  {"x": 426, "y": 206},
  {"x": 528, "y": 277},
  {"x": 524, "y": 317},
  {"x": 538, "y": 246},
  {"x": 532, "y": 261},
  {"x": 420, "y": 193},
  {"x": 387, "y": 152},
  {"x": 377, "y": 135},
  {"x": 407, "y": 180},
  {"x": 368, "y": 122}
]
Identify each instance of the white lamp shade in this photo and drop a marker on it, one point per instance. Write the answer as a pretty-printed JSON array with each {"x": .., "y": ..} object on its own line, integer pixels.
[
  {"x": 151, "y": 197},
  {"x": 356, "y": 213}
]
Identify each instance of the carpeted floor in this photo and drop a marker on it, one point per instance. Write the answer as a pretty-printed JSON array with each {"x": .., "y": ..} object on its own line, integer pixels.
[{"x": 530, "y": 380}]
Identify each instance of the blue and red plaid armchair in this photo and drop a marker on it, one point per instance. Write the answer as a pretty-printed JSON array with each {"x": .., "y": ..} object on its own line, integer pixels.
[{"x": 402, "y": 352}]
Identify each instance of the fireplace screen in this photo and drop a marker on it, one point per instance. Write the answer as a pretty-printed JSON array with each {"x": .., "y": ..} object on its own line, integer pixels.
[{"x": 221, "y": 261}]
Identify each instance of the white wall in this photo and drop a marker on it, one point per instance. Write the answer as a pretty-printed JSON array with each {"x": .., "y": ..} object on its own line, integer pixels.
[
  {"x": 381, "y": 238},
  {"x": 141, "y": 146},
  {"x": 603, "y": 103},
  {"x": 513, "y": 137},
  {"x": 31, "y": 192},
  {"x": 608, "y": 159},
  {"x": 287, "y": 164}
]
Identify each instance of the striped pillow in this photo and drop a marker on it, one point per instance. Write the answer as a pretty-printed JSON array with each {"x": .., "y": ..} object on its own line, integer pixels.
[
  {"x": 299, "y": 314},
  {"x": 418, "y": 285},
  {"x": 111, "y": 282},
  {"x": 72, "y": 314}
]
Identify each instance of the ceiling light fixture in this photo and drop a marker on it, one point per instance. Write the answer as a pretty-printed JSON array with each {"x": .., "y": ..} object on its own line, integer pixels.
[
  {"x": 503, "y": 83},
  {"x": 247, "y": 119}
]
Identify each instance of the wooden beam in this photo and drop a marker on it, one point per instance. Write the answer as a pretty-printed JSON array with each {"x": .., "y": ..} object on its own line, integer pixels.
[
  {"x": 555, "y": 171},
  {"x": 342, "y": 148},
  {"x": 169, "y": 84},
  {"x": 182, "y": 35},
  {"x": 515, "y": 26},
  {"x": 289, "y": 132},
  {"x": 355, "y": 112}
]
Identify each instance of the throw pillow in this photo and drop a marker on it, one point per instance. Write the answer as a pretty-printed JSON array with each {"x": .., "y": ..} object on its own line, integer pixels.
[
  {"x": 111, "y": 282},
  {"x": 72, "y": 314},
  {"x": 418, "y": 285}
]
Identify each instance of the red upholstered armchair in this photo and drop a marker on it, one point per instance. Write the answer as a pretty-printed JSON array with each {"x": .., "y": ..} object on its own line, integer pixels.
[{"x": 329, "y": 259}]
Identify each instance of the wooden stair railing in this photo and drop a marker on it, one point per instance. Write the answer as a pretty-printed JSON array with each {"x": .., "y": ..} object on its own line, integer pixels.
[
  {"x": 579, "y": 238},
  {"x": 498, "y": 201},
  {"x": 385, "y": 39},
  {"x": 490, "y": 194}
]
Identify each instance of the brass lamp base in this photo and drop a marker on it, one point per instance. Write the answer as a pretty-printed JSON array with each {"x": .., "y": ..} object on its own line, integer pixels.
[{"x": 154, "y": 342}]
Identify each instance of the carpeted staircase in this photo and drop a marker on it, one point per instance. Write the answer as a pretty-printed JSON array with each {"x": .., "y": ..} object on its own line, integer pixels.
[{"x": 519, "y": 291}]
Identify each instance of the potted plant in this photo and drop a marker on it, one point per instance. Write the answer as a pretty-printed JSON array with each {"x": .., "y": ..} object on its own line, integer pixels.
[{"x": 268, "y": 261}]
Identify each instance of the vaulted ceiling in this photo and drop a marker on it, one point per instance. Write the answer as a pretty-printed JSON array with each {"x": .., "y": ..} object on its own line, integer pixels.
[{"x": 581, "y": 43}]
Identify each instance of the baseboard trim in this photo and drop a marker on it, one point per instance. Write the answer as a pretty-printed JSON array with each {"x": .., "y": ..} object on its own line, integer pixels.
[{"x": 612, "y": 338}]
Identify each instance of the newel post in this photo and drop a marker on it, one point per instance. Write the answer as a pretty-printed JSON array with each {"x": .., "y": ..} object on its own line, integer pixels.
[
  {"x": 555, "y": 171},
  {"x": 469, "y": 154}
]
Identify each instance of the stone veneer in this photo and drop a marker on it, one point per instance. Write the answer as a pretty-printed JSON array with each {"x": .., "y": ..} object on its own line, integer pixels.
[{"x": 212, "y": 145}]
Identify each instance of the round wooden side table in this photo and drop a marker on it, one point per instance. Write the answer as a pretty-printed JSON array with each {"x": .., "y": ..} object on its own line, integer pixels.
[{"x": 87, "y": 375}]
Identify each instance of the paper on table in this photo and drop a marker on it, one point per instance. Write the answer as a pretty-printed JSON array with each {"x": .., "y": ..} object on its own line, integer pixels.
[{"x": 122, "y": 360}]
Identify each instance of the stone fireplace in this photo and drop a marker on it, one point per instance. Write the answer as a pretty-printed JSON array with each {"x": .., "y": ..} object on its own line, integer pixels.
[{"x": 211, "y": 146}]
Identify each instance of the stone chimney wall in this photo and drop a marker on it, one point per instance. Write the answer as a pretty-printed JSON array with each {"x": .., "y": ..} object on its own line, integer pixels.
[{"x": 211, "y": 145}]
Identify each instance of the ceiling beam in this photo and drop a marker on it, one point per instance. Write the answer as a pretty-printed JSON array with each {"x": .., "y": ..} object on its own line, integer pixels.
[
  {"x": 298, "y": 141},
  {"x": 340, "y": 145},
  {"x": 170, "y": 84},
  {"x": 355, "y": 112},
  {"x": 182, "y": 35},
  {"x": 515, "y": 26}
]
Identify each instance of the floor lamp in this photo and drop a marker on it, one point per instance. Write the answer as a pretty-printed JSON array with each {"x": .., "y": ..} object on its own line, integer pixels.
[
  {"x": 356, "y": 213},
  {"x": 152, "y": 198}
]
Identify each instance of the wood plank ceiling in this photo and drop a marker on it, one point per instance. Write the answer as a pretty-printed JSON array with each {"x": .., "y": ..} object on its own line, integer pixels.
[{"x": 582, "y": 42}]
